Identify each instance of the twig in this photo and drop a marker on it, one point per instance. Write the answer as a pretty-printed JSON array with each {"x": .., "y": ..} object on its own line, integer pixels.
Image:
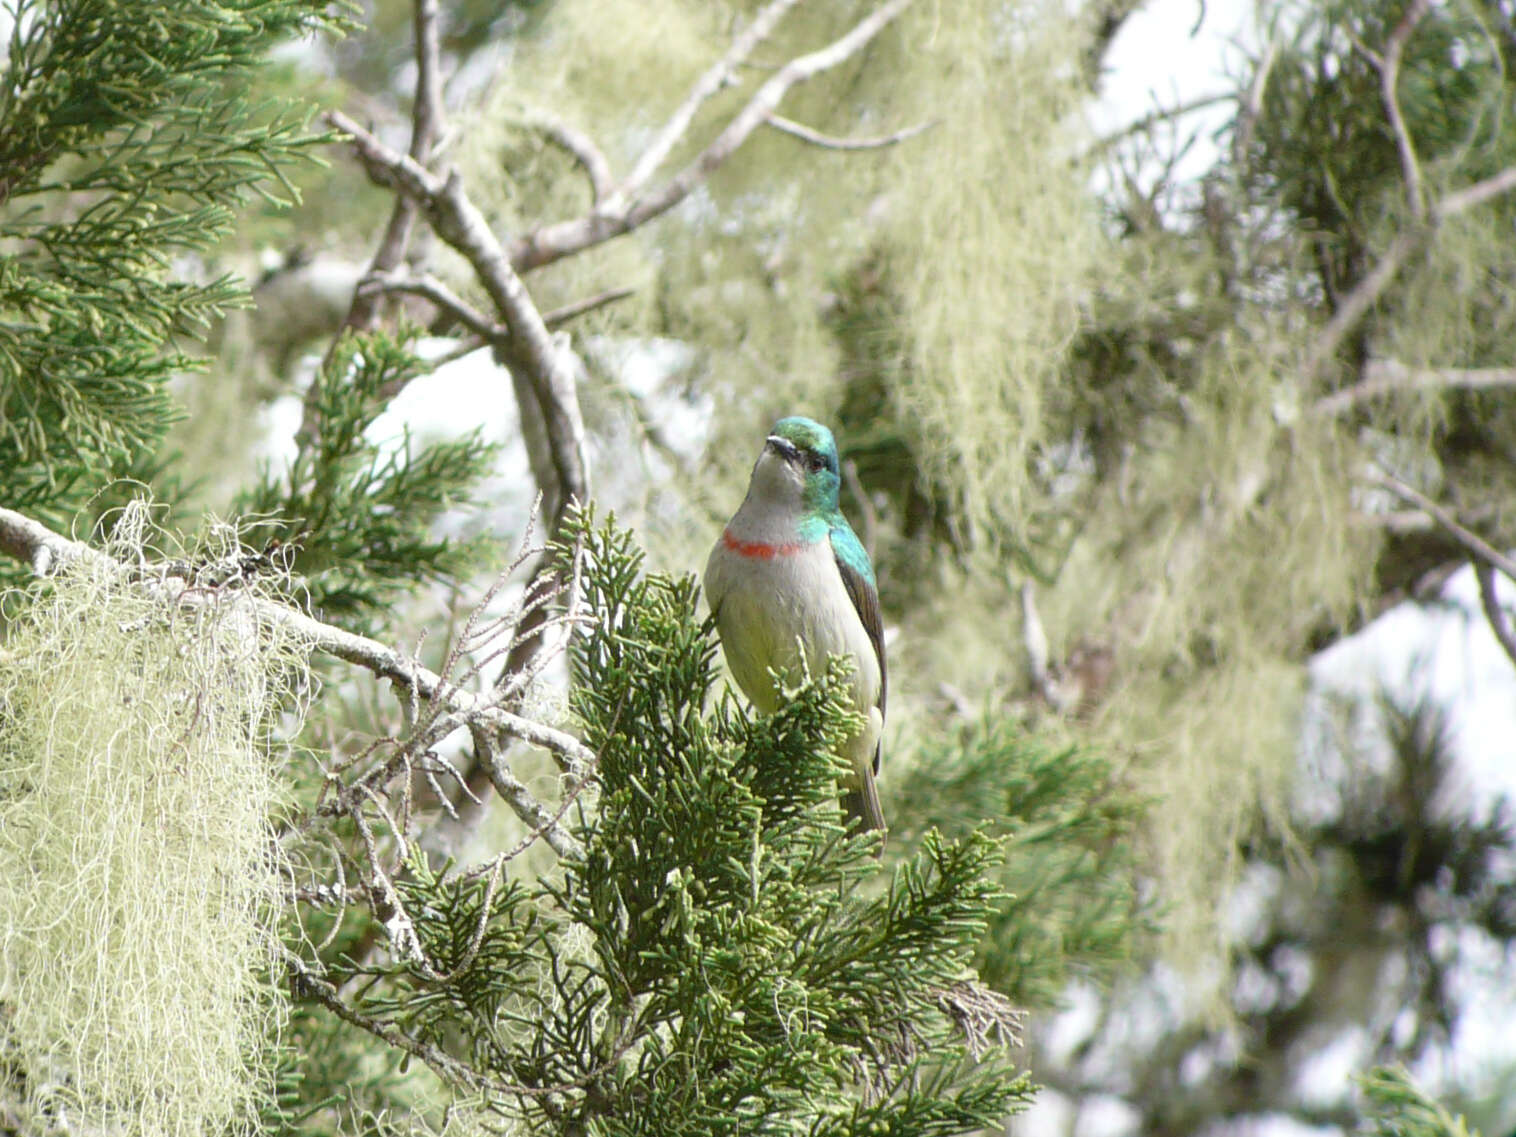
[
  {"x": 1034, "y": 641},
  {"x": 629, "y": 207},
  {"x": 1477, "y": 194},
  {"x": 1389, "y": 81},
  {"x": 577, "y": 144},
  {"x": 560, "y": 316},
  {"x": 1481, "y": 549},
  {"x": 430, "y": 288},
  {"x": 707, "y": 85},
  {"x": 1153, "y": 118},
  {"x": 829, "y": 142},
  {"x": 309, "y": 982},
  {"x": 554, "y": 319},
  {"x": 1385, "y": 376},
  {"x": 1252, "y": 105},
  {"x": 391, "y": 912},
  {"x": 1494, "y": 614},
  {"x": 1368, "y": 290},
  {"x": 865, "y": 506},
  {"x": 1360, "y": 300},
  {"x": 34, "y": 543},
  {"x": 426, "y": 124}
]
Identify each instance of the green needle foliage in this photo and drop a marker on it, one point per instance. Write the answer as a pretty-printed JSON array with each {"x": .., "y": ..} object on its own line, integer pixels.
[
  {"x": 357, "y": 518},
  {"x": 1398, "y": 1108},
  {"x": 127, "y": 140},
  {"x": 724, "y": 958},
  {"x": 1068, "y": 825}
]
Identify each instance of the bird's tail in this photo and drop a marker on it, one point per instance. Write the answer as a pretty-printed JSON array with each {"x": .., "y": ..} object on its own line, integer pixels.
[{"x": 861, "y": 804}]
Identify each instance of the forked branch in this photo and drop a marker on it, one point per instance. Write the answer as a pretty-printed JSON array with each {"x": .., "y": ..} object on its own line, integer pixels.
[
  {"x": 633, "y": 204},
  {"x": 45, "y": 551}
]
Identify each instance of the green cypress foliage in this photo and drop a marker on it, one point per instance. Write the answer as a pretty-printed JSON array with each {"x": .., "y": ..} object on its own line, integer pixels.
[
  {"x": 355, "y": 519},
  {"x": 1067, "y": 822},
  {"x": 1397, "y": 1107},
  {"x": 723, "y": 959},
  {"x": 127, "y": 138}
]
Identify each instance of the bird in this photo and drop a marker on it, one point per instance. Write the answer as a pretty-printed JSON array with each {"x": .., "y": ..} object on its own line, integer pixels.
[{"x": 788, "y": 582}]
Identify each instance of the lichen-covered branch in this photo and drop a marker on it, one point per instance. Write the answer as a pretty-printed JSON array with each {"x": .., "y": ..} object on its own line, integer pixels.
[{"x": 34, "y": 543}]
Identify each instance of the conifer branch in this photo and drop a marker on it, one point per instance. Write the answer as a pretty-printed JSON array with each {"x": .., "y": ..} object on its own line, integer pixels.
[{"x": 451, "y": 1070}]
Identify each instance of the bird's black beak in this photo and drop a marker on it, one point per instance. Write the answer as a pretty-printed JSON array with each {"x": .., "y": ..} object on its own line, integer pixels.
[{"x": 786, "y": 449}]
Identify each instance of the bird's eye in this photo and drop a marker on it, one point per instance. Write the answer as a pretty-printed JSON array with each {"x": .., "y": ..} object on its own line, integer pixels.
[{"x": 814, "y": 461}]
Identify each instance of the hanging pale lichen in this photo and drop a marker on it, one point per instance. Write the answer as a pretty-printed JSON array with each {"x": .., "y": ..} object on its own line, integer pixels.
[
  {"x": 992, "y": 240},
  {"x": 138, "y": 875}
]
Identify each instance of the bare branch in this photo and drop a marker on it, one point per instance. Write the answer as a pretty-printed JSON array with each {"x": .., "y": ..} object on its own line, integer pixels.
[
  {"x": 426, "y": 124},
  {"x": 1494, "y": 614},
  {"x": 430, "y": 288},
  {"x": 30, "y": 541},
  {"x": 865, "y": 506},
  {"x": 1389, "y": 81},
  {"x": 426, "y": 115},
  {"x": 578, "y": 145},
  {"x": 625, "y": 212},
  {"x": 829, "y": 142},
  {"x": 1252, "y": 105},
  {"x": 1477, "y": 546},
  {"x": 1368, "y": 290},
  {"x": 1385, "y": 376},
  {"x": 534, "y": 356},
  {"x": 554, "y": 319},
  {"x": 1477, "y": 194},
  {"x": 1153, "y": 118},
  {"x": 1035, "y": 642},
  {"x": 1360, "y": 300},
  {"x": 707, "y": 85},
  {"x": 543, "y": 822},
  {"x": 559, "y": 316}
]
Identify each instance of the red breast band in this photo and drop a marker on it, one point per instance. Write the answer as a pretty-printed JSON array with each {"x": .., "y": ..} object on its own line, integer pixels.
[{"x": 759, "y": 549}]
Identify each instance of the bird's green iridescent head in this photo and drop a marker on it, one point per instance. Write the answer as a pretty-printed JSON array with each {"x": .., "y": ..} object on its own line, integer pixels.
[{"x": 811, "y": 449}]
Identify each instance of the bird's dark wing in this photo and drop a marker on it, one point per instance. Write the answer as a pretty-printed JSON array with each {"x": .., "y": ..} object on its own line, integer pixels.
[{"x": 865, "y": 600}]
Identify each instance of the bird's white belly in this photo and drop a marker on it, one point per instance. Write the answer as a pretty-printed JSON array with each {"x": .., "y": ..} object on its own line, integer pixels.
[{"x": 771, "y": 610}]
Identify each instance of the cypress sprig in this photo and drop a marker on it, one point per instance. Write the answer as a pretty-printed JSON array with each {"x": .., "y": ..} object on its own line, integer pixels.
[{"x": 128, "y": 138}]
